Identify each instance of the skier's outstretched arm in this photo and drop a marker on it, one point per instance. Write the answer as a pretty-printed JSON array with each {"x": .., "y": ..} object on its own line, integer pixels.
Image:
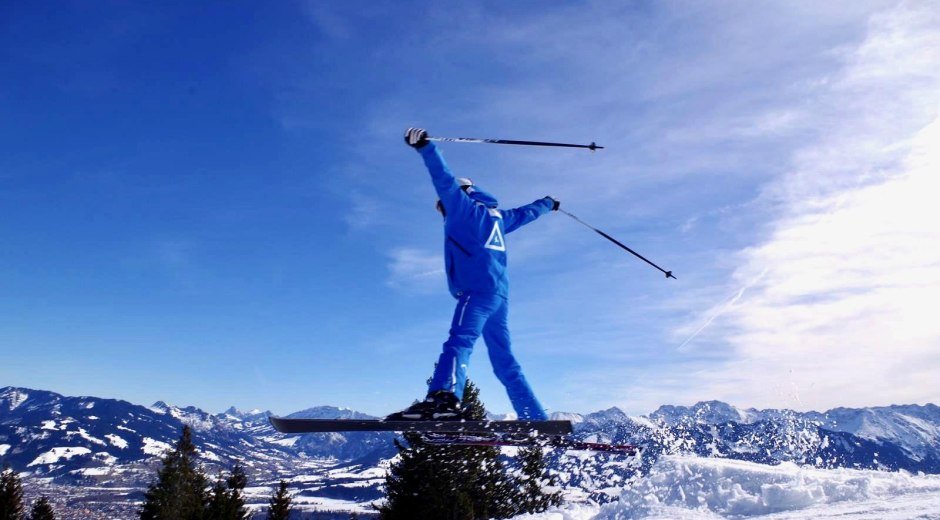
[
  {"x": 444, "y": 182},
  {"x": 515, "y": 218}
]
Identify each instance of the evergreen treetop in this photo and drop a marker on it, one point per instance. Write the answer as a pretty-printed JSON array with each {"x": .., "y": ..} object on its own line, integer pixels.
[
  {"x": 180, "y": 492},
  {"x": 227, "y": 502},
  {"x": 11, "y": 495},
  {"x": 460, "y": 482},
  {"x": 280, "y": 503},
  {"x": 42, "y": 510}
]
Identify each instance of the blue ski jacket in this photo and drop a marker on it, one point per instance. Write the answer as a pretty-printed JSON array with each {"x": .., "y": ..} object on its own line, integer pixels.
[{"x": 475, "y": 230}]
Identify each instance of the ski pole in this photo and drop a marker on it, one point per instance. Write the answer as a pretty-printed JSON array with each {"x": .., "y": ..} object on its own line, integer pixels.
[
  {"x": 591, "y": 146},
  {"x": 614, "y": 240}
]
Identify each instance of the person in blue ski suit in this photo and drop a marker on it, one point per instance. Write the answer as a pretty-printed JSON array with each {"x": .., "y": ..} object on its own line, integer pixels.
[{"x": 475, "y": 260}]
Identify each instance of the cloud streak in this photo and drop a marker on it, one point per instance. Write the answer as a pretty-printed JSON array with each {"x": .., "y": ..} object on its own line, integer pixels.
[
  {"x": 416, "y": 270},
  {"x": 850, "y": 270},
  {"x": 721, "y": 310}
]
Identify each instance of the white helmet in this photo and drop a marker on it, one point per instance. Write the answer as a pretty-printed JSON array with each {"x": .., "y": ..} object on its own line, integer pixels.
[{"x": 464, "y": 184}]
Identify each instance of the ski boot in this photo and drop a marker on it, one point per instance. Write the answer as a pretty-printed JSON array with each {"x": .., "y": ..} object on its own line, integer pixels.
[{"x": 440, "y": 405}]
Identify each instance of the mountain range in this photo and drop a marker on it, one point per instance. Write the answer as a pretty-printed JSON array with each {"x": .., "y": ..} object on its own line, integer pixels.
[{"x": 106, "y": 451}]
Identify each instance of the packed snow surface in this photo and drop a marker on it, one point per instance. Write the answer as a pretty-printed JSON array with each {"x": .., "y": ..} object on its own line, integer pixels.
[{"x": 683, "y": 487}]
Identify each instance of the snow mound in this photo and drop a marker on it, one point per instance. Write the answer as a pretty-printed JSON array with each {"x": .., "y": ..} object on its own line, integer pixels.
[
  {"x": 705, "y": 488},
  {"x": 737, "y": 488}
]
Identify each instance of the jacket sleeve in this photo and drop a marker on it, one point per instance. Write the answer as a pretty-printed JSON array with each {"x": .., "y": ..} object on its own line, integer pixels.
[
  {"x": 513, "y": 219},
  {"x": 453, "y": 198}
]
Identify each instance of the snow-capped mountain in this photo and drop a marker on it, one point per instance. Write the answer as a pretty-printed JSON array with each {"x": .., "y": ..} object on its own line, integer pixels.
[
  {"x": 894, "y": 437},
  {"x": 912, "y": 427},
  {"x": 82, "y": 440},
  {"x": 75, "y": 437},
  {"x": 915, "y": 428}
]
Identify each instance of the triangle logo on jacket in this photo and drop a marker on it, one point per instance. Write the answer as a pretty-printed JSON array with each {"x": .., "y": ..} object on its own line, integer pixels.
[{"x": 496, "y": 241}]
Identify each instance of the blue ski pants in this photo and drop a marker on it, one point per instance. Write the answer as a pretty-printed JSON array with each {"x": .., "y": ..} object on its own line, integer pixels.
[{"x": 486, "y": 314}]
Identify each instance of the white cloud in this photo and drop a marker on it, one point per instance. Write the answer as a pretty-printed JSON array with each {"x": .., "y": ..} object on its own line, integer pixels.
[
  {"x": 845, "y": 314},
  {"x": 364, "y": 211},
  {"x": 416, "y": 270}
]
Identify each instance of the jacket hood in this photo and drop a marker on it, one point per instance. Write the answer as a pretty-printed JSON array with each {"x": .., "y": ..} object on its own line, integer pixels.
[{"x": 482, "y": 197}]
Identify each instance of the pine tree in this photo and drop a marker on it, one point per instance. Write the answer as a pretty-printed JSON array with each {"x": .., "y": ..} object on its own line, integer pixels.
[
  {"x": 280, "y": 503},
  {"x": 448, "y": 482},
  {"x": 226, "y": 501},
  {"x": 42, "y": 510},
  {"x": 180, "y": 492},
  {"x": 11, "y": 496},
  {"x": 534, "y": 497}
]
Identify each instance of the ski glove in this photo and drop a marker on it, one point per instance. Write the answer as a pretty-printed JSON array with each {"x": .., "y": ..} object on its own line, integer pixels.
[
  {"x": 555, "y": 203},
  {"x": 416, "y": 137}
]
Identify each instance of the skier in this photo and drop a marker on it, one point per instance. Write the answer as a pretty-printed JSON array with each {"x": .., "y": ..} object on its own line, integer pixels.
[{"x": 475, "y": 261}]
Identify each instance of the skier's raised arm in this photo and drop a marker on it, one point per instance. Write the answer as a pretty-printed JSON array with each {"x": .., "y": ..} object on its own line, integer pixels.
[
  {"x": 444, "y": 182},
  {"x": 515, "y": 218}
]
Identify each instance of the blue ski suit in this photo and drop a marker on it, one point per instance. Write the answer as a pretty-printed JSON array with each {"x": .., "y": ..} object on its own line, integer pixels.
[{"x": 475, "y": 261}]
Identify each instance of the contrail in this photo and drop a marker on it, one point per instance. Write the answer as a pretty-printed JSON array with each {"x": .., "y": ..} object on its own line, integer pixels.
[{"x": 724, "y": 308}]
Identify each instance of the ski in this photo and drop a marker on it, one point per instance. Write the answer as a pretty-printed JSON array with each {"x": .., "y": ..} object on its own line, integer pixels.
[
  {"x": 292, "y": 425},
  {"x": 452, "y": 439}
]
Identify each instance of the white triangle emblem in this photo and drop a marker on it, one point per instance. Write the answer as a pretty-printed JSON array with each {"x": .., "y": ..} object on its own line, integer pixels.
[{"x": 496, "y": 242}]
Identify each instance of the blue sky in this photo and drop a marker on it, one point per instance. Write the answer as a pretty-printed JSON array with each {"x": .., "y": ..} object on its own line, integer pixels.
[{"x": 212, "y": 205}]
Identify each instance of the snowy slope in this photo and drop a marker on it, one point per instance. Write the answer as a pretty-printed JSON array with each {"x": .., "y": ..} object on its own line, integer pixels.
[
  {"x": 72, "y": 438},
  {"x": 682, "y": 487},
  {"x": 914, "y": 428},
  {"x": 917, "y": 428},
  {"x": 106, "y": 450},
  {"x": 887, "y": 437}
]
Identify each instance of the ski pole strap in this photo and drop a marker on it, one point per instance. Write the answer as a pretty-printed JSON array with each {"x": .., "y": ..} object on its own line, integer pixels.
[
  {"x": 592, "y": 146},
  {"x": 615, "y": 241}
]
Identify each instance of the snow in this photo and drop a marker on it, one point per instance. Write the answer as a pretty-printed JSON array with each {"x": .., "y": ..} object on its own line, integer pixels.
[
  {"x": 575, "y": 418},
  {"x": 155, "y": 447},
  {"x": 56, "y": 454},
  {"x": 16, "y": 398},
  {"x": 685, "y": 487},
  {"x": 287, "y": 442},
  {"x": 94, "y": 472},
  {"x": 306, "y": 503},
  {"x": 116, "y": 441},
  {"x": 911, "y": 427},
  {"x": 208, "y": 455},
  {"x": 84, "y": 435}
]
